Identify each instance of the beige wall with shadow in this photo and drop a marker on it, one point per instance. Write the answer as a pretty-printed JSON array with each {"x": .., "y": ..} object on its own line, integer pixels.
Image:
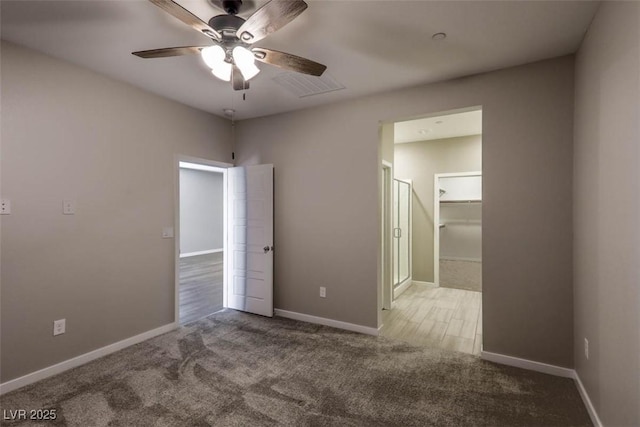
[
  {"x": 607, "y": 213},
  {"x": 327, "y": 202},
  {"x": 70, "y": 133}
]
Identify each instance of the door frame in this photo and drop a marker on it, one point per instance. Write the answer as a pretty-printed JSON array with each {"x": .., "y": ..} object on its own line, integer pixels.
[
  {"x": 436, "y": 217},
  {"x": 386, "y": 238},
  {"x": 213, "y": 166}
]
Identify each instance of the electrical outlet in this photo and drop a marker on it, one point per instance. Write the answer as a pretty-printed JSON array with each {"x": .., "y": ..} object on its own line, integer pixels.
[
  {"x": 586, "y": 348},
  {"x": 5, "y": 207},
  {"x": 323, "y": 292},
  {"x": 59, "y": 327},
  {"x": 68, "y": 207}
]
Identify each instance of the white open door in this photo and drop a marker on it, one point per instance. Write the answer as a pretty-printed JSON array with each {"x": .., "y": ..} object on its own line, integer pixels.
[{"x": 250, "y": 234}]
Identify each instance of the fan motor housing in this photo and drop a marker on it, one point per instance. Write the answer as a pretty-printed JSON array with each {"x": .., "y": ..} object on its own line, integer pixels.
[{"x": 226, "y": 25}]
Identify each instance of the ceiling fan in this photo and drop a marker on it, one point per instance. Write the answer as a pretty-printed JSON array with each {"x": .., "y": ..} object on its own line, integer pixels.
[{"x": 231, "y": 57}]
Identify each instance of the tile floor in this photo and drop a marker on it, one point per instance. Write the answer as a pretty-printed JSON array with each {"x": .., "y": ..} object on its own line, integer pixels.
[{"x": 440, "y": 317}]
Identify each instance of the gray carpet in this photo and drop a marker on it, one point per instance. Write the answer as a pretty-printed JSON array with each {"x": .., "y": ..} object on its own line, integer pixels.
[{"x": 235, "y": 369}]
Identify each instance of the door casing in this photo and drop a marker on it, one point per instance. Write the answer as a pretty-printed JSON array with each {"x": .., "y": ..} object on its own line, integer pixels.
[{"x": 214, "y": 166}]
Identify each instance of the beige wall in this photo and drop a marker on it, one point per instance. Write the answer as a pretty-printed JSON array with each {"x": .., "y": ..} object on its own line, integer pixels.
[
  {"x": 419, "y": 161},
  {"x": 70, "y": 133},
  {"x": 327, "y": 202},
  {"x": 607, "y": 213}
]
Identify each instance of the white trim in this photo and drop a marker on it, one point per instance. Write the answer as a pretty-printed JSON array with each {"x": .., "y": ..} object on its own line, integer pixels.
[
  {"x": 527, "y": 364},
  {"x": 547, "y": 369},
  {"x": 58, "y": 368},
  {"x": 595, "y": 419},
  {"x": 327, "y": 322},
  {"x": 210, "y": 251},
  {"x": 201, "y": 161},
  {"x": 453, "y": 258},
  {"x": 418, "y": 282},
  {"x": 436, "y": 229},
  {"x": 200, "y": 167},
  {"x": 457, "y": 174},
  {"x": 387, "y": 237},
  {"x": 398, "y": 290}
]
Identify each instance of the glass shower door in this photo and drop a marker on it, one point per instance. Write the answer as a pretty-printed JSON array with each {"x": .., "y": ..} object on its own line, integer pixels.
[{"x": 401, "y": 231}]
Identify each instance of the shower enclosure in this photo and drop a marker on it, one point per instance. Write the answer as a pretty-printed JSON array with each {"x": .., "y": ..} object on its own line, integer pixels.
[{"x": 401, "y": 235}]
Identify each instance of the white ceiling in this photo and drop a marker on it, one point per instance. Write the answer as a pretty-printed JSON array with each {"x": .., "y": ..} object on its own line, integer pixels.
[
  {"x": 369, "y": 46},
  {"x": 439, "y": 127}
]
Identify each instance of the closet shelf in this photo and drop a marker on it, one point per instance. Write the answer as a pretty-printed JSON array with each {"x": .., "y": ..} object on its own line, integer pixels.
[{"x": 461, "y": 201}]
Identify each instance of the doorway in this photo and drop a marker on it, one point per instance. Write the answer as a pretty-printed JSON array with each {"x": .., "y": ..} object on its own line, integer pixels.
[
  {"x": 201, "y": 239},
  {"x": 437, "y": 270},
  {"x": 239, "y": 275}
]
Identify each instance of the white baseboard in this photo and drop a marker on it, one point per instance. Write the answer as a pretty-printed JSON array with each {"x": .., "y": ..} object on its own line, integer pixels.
[
  {"x": 454, "y": 258},
  {"x": 527, "y": 364},
  {"x": 401, "y": 288},
  {"x": 327, "y": 322},
  {"x": 209, "y": 251},
  {"x": 50, "y": 371},
  {"x": 547, "y": 369},
  {"x": 420, "y": 283},
  {"x": 595, "y": 419}
]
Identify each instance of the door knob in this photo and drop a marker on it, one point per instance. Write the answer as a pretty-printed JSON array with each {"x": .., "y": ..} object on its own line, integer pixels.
[{"x": 266, "y": 249}]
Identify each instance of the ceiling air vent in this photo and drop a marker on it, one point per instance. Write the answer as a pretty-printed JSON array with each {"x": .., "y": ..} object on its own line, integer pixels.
[{"x": 302, "y": 85}]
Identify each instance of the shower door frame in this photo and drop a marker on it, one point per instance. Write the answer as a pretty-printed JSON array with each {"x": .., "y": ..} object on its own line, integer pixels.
[{"x": 398, "y": 290}]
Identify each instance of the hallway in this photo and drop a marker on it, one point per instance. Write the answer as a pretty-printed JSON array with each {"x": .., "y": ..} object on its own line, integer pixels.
[{"x": 436, "y": 317}]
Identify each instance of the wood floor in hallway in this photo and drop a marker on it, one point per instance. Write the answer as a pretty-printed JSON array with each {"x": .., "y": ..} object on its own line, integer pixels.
[
  {"x": 438, "y": 317},
  {"x": 200, "y": 286}
]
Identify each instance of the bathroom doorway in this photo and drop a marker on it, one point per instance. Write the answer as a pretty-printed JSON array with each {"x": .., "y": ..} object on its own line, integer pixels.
[{"x": 437, "y": 232}]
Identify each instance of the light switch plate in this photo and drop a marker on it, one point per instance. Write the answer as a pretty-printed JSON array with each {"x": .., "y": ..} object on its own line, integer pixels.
[
  {"x": 5, "y": 207},
  {"x": 167, "y": 232},
  {"x": 68, "y": 207}
]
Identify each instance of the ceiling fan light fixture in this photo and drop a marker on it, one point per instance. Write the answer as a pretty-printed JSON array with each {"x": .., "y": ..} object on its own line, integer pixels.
[
  {"x": 214, "y": 56},
  {"x": 245, "y": 61},
  {"x": 231, "y": 57},
  {"x": 222, "y": 71}
]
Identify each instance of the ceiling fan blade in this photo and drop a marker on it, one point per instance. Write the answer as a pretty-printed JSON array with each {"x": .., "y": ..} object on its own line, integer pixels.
[
  {"x": 168, "y": 51},
  {"x": 288, "y": 61},
  {"x": 237, "y": 79},
  {"x": 187, "y": 17},
  {"x": 269, "y": 18}
]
